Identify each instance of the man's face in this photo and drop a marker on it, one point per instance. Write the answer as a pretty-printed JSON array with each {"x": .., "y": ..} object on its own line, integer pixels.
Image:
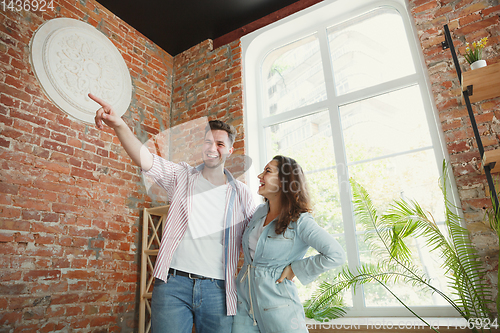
[{"x": 216, "y": 148}]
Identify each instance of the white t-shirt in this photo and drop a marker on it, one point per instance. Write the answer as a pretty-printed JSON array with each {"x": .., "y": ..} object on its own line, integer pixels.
[
  {"x": 201, "y": 250},
  {"x": 254, "y": 236}
]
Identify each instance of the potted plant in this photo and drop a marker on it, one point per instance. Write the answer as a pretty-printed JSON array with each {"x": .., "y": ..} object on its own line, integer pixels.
[
  {"x": 473, "y": 54},
  {"x": 493, "y": 215},
  {"x": 392, "y": 231}
]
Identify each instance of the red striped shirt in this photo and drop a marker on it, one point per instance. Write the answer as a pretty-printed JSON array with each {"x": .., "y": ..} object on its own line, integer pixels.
[{"x": 179, "y": 180}]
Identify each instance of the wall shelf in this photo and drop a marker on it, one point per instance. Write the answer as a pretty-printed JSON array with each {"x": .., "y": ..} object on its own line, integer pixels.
[
  {"x": 477, "y": 85},
  {"x": 485, "y": 83},
  {"x": 153, "y": 222},
  {"x": 491, "y": 158}
]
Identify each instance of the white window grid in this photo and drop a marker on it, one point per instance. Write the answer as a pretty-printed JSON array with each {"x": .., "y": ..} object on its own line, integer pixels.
[{"x": 316, "y": 20}]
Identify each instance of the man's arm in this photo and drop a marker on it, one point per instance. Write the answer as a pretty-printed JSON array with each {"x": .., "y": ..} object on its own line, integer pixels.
[{"x": 134, "y": 148}]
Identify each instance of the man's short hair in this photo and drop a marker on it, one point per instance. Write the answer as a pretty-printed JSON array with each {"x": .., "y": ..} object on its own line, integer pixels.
[{"x": 220, "y": 125}]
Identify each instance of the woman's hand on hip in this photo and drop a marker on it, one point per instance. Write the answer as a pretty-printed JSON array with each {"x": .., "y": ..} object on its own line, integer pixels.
[{"x": 287, "y": 274}]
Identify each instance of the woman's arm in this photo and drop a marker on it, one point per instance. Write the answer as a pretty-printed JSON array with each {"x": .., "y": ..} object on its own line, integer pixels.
[{"x": 330, "y": 255}]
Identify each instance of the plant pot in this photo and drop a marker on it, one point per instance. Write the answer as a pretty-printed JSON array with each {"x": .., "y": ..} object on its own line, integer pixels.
[{"x": 478, "y": 64}]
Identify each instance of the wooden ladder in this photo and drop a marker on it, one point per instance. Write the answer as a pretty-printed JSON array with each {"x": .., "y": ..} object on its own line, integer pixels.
[{"x": 153, "y": 222}]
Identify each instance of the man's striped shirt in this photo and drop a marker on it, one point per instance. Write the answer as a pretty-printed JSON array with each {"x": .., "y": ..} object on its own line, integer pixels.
[{"x": 179, "y": 180}]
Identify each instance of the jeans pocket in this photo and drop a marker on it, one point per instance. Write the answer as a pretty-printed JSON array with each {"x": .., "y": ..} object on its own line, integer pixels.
[
  {"x": 160, "y": 281},
  {"x": 220, "y": 284}
]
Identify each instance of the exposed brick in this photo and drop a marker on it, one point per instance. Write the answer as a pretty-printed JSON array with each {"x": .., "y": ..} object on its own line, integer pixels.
[
  {"x": 9, "y": 188},
  {"x": 30, "y": 203},
  {"x": 61, "y": 262},
  {"x": 42, "y": 275},
  {"x": 454, "y": 124},
  {"x": 491, "y": 10},
  {"x": 78, "y": 286},
  {"x": 49, "y": 239},
  {"x": 468, "y": 8},
  {"x": 73, "y": 310},
  {"x": 66, "y": 209},
  {"x": 9, "y": 318},
  {"x": 24, "y": 238},
  {"x": 28, "y": 117},
  {"x": 6, "y": 237},
  {"x": 65, "y": 299},
  {"x": 483, "y": 118},
  {"x": 10, "y": 248},
  {"x": 50, "y": 217},
  {"x": 80, "y": 323},
  {"x": 102, "y": 321},
  {"x": 10, "y": 276},
  {"x": 9, "y": 213},
  {"x": 44, "y": 251},
  {"x": 79, "y": 274},
  {"x": 52, "y": 145},
  {"x": 469, "y": 19},
  {"x": 16, "y": 93},
  {"x": 477, "y": 26},
  {"x": 31, "y": 215},
  {"x": 4, "y": 143}
]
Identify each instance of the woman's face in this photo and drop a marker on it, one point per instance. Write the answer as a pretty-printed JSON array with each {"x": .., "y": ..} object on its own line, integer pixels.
[{"x": 270, "y": 186}]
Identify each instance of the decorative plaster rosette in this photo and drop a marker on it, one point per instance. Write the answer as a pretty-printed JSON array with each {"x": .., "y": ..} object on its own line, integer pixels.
[{"x": 71, "y": 58}]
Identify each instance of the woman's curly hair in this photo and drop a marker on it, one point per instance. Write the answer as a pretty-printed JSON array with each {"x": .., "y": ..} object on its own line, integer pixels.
[{"x": 295, "y": 198}]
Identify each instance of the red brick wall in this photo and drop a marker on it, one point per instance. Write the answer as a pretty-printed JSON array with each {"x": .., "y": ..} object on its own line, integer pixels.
[
  {"x": 70, "y": 199},
  {"x": 468, "y": 20}
]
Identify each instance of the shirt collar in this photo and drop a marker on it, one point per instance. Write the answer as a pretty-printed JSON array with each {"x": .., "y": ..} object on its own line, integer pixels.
[{"x": 262, "y": 211}]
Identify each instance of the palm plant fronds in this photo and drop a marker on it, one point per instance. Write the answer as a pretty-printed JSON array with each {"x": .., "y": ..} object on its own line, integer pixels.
[
  {"x": 335, "y": 308},
  {"x": 381, "y": 240},
  {"x": 388, "y": 236},
  {"x": 391, "y": 228},
  {"x": 460, "y": 260},
  {"x": 493, "y": 215},
  {"x": 385, "y": 273}
]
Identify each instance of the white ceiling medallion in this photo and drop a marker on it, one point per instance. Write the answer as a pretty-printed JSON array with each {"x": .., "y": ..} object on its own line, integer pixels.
[{"x": 71, "y": 58}]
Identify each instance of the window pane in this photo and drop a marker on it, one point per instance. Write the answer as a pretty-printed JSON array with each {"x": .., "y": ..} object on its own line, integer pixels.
[
  {"x": 411, "y": 176},
  {"x": 386, "y": 139},
  {"x": 309, "y": 141},
  {"x": 384, "y": 125},
  {"x": 376, "y": 295},
  {"x": 293, "y": 76},
  {"x": 369, "y": 50}
]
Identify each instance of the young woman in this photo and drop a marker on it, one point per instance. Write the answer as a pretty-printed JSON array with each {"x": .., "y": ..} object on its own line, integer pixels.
[{"x": 274, "y": 244}]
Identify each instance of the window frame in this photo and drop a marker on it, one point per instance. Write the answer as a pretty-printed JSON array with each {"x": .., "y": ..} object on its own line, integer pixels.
[{"x": 257, "y": 45}]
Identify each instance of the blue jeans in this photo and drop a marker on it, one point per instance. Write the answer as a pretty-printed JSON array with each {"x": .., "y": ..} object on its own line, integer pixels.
[{"x": 181, "y": 301}]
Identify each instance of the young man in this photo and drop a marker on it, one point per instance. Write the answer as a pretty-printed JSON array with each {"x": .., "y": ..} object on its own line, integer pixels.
[{"x": 209, "y": 209}]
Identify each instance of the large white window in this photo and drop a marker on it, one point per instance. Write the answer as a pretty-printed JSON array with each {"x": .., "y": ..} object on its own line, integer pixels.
[{"x": 341, "y": 87}]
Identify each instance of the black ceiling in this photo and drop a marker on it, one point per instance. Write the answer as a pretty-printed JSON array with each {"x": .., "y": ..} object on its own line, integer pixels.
[{"x": 177, "y": 25}]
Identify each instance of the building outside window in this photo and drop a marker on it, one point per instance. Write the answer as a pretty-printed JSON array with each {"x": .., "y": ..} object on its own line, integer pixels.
[{"x": 342, "y": 88}]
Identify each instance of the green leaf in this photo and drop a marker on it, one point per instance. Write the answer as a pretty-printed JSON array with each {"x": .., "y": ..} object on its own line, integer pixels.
[{"x": 388, "y": 236}]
